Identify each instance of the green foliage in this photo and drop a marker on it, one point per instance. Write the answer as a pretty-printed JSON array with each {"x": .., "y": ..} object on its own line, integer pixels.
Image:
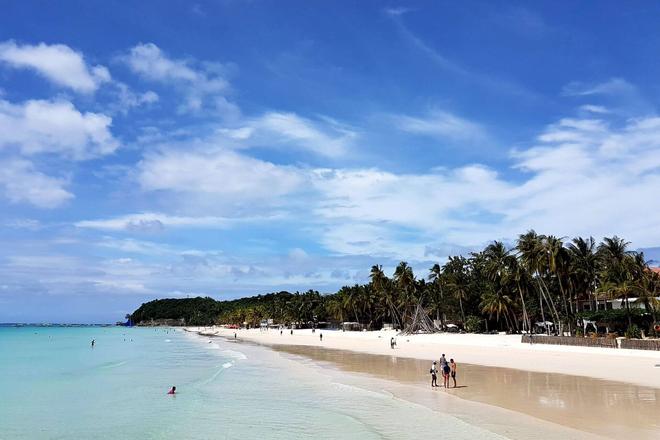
[
  {"x": 474, "y": 324},
  {"x": 633, "y": 332},
  {"x": 612, "y": 315},
  {"x": 540, "y": 279},
  {"x": 195, "y": 311}
]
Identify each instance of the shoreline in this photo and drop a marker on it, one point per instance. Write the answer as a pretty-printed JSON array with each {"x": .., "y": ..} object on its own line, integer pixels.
[
  {"x": 590, "y": 407},
  {"x": 637, "y": 367},
  {"x": 502, "y": 423}
]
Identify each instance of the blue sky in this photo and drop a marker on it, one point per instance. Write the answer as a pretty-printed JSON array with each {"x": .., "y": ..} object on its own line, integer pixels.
[{"x": 228, "y": 148}]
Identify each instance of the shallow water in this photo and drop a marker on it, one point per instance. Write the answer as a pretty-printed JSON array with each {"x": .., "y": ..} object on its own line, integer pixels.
[
  {"x": 55, "y": 386},
  {"x": 607, "y": 408}
]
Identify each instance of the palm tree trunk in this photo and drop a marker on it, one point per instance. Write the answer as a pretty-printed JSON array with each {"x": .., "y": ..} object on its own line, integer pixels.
[
  {"x": 526, "y": 323},
  {"x": 549, "y": 301},
  {"x": 460, "y": 303},
  {"x": 542, "y": 312}
]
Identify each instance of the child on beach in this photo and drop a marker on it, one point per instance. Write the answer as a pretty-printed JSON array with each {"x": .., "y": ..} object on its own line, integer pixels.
[{"x": 434, "y": 375}]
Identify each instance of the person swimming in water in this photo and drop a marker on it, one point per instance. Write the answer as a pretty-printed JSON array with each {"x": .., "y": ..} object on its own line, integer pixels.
[
  {"x": 172, "y": 391},
  {"x": 93, "y": 342}
]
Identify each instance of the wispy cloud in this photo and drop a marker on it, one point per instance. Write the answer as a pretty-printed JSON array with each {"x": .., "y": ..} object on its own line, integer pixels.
[
  {"x": 324, "y": 137},
  {"x": 487, "y": 81},
  {"x": 204, "y": 84},
  {"x": 396, "y": 11},
  {"x": 613, "y": 86},
  {"x": 152, "y": 222},
  {"x": 442, "y": 125}
]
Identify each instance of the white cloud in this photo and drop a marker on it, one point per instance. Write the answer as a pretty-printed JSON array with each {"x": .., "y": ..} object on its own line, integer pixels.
[
  {"x": 584, "y": 177},
  {"x": 198, "y": 83},
  {"x": 612, "y": 86},
  {"x": 442, "y": 125},
  {"x": 218, "y": 175},
  {"x": 24, "y": 223},
  {"x": 152, "y": 222},
  {"x": 39, "y": 126},
  {"x": 22, "y": 183},
  {"x": 57, "y": 62},
  {"x": 288, "y": 130},
  {"x": 398, "y": 11},
  {"x": 598, "y": 109},
  {"x": 128, "y": 99}
]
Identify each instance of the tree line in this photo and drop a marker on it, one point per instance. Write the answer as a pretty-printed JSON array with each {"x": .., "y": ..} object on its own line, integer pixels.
[{"x": 540, "y": 279}]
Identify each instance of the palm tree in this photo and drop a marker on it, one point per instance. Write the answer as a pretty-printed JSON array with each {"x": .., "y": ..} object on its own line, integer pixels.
[
  {"x": 458, "y": 281},
  {"x": 404, "y": 278},
  {"x": 517, "y": 276},
  {"x": 334, "y": 308},
  {"x": 382, "y": 286},
  {"x": 534, "y": 260},
  {"x": 498, "y": 304},
  {"x": 649, "y": 292},
  {"x": 436, "y": 293},
  {"x": 558, "y": 264},
  {"x": 584, "y": 267}
]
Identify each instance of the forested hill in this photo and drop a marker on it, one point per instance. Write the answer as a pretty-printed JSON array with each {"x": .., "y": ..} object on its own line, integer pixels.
[{"x": 205, "y": 311}]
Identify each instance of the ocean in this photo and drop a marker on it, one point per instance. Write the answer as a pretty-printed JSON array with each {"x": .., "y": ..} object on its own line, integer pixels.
[{"x": 54, "y": 385}]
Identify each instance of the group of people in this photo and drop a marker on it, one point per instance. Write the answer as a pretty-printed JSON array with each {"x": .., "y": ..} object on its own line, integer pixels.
[{"x": 447, "y": 369}]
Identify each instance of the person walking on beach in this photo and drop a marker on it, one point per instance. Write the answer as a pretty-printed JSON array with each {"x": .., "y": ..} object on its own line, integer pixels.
[
  {"x": 321, "y": 336},
  {"x": 292, "y": 331},
  {"x": 452, "y": 365},
  {"x": 434, "y": 375},
  {"x": 444, "y": 370}
]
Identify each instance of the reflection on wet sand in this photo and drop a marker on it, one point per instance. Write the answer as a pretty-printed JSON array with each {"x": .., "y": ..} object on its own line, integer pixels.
[{"x": 611, "y": 409}]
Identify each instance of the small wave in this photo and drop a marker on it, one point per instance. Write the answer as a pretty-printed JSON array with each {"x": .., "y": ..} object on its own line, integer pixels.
[
  {"x": 234, "y": 354},
  {"x": 168, "y": 340},
  {"x": 354, "y": 389},
  {"x": 217, "y": 373},
  {"x": 113, "y": 364}
]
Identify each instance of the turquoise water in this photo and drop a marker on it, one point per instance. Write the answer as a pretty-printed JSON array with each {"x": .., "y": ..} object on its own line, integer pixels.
[{"x": 55, "y": 386}]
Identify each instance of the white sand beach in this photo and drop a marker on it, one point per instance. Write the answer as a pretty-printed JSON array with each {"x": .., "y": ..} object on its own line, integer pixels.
[
  {"x": 578, "y": 388},
  {"x": 630, "y": 366}
]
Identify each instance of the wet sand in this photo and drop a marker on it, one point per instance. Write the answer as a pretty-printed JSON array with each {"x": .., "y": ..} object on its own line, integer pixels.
[{"x": 606, "y": 408}]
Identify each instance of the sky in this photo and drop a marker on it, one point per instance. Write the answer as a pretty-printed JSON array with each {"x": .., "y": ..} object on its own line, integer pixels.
[{"x": 231, "y": 148}]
